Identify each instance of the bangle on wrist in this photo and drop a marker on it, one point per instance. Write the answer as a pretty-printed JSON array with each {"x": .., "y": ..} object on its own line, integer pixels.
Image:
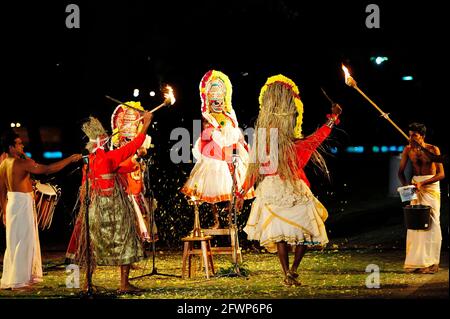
[{"x": 332, "y": 119}]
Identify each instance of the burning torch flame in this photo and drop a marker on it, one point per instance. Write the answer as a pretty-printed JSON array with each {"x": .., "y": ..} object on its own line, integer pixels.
[
  {"x": 351, "y": 82},
  {"x": 169, "y": 96},
  {"x": 348, "y": 78},
  {"x": 347, "y": 74}
]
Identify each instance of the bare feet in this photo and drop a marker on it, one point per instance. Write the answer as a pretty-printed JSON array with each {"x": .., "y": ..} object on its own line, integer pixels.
[
  {"x": 129, "y": 288},
  {"x": 289, "y": 280},
  {"x": 24, "y": 288},
  {"x": 428, "y": 270},
  {"x": 293, "y": 274}
]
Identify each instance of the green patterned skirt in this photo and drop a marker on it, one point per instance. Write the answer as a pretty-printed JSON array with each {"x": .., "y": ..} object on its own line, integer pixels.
[{"x": 114, "y": 232}]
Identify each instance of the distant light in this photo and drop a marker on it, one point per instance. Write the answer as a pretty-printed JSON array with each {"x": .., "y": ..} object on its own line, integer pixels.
[
  {"x": 53, "y": 154},
  {"x": 375, "y": 149},
  {"x": 379, "y": 59},
  {"x": 152, "y": 93},
  {"x": 334, "y": 150},
  {"x": 13, "y": 124},
  {"x": 28, "y": 154},
  {"x": 393, "y": 148},
  {"x": 400, "y": 148},
  {"x": 407, "y": 78},
  {"x": 18, "y": 125},
  {"x": 355, "y": 149},
  {"x": 136, "y": 92},
  {"x": 244, "y": 73},
  {"x": 384, "y": 149}
]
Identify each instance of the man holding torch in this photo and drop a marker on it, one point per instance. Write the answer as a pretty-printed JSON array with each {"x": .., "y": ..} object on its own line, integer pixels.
[{"x": 113, "y": 233}]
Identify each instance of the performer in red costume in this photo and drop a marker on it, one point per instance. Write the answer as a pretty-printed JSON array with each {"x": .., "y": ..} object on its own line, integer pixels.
[
  {"x": 211, "y": 179},
  {"x": 285, "y": 212},
  {"x": 112, "y": 220},
  {"x": 126, "y": 122}
]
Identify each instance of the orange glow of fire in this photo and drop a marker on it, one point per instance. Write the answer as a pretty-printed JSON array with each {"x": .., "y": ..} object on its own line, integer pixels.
[{"x": 169, "y": 95}]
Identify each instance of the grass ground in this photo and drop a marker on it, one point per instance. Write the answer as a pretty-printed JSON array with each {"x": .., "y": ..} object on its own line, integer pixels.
[{"x": 337, "y": 274}]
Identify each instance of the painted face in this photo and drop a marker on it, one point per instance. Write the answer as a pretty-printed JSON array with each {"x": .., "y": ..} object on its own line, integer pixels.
[{"x": 216, "y": 96}]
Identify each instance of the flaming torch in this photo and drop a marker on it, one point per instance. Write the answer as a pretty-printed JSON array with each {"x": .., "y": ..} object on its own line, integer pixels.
[
  {"x": 169, "y": 99},
  {"x": 352, "y": 83}
]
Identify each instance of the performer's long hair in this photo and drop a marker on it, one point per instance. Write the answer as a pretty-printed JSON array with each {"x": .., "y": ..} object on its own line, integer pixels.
[{"x": 278, "y": 110}]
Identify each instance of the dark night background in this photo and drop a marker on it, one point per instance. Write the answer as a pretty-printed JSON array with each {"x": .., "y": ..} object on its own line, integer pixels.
[{"x": 55, "y": 77}]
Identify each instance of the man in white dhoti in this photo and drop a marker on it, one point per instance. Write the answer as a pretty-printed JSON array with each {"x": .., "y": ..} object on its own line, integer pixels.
[
  {"x": 423, "y": 247},
  {"x": 22, "y": 264}
]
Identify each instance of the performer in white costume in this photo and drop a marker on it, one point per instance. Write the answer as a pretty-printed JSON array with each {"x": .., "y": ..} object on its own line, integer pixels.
[
  {"x": 285, "y": 212},
  {"x": 211, "y": 179}
]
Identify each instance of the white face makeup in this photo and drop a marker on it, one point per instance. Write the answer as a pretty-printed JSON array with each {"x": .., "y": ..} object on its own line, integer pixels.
[{"x": 216, "y": 96}]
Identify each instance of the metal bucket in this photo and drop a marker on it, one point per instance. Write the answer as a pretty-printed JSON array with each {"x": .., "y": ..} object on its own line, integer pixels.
[{"x": 417, "y": 217}]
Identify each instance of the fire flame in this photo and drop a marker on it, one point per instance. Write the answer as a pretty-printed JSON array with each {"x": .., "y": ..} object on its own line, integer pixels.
[
  {"x": 169, "y": 96},
  {"x": 347, "y": 74},
  {"x": 348, "y": 78}
]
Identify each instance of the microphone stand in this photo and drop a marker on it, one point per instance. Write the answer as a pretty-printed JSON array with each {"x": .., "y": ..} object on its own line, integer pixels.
[
  {"x": 149, "y": 194},
  {"x": 89, "y": 292},
  {"x": 234, "y": 217},
  {"x": 233, "y": 224}
]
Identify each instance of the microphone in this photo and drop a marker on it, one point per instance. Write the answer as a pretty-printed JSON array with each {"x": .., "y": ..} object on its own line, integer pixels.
[{"x": 85, "y": 156}]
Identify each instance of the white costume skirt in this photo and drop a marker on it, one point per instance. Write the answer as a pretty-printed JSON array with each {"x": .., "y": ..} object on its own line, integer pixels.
[
  {"x": 22, "y": 265},
  {"x": 281, "y": 214},
  {"x": 211, "y": 181}
]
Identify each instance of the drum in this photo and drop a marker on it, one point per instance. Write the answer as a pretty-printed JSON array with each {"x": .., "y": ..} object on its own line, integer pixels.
[
  {"x": 417, "y": 217},
  {"x": 46, "y": 198}
]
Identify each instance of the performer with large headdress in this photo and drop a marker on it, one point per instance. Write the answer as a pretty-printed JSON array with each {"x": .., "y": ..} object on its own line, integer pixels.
[
  {"x": 126, "y": 122},
  {"x": 112, "y": 219},
  {"x": 285, "y": 212},
  {"x": 211, "y": 178}
]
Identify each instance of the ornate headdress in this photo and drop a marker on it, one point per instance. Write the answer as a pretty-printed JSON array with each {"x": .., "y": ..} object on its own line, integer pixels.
[
  {"x": 94, "y": 130},
  {"x": 125, "y": 122},
  {"x": 288, "y": 83},
  {"x": 222, "y": 83}
]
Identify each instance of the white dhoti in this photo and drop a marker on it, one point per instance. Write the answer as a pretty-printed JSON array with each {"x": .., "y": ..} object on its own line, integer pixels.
[
  {"x": 423, "y": 247},
  {"x": 22, "y": 265},
  {"x": 280, "y": 214}
]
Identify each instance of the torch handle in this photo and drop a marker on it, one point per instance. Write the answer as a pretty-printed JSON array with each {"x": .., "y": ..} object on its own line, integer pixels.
[
  {"x": 134, "y": 108},
  {"x": 386, "y": 116},
  {"x": 128, "y": 105},
  {"x": 158, "y": 107}
]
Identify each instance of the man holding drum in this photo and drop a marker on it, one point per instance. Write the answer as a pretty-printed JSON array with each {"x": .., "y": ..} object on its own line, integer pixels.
[
  {"x": 423, "y": 247},
  {"x": 22, "y": 264}
]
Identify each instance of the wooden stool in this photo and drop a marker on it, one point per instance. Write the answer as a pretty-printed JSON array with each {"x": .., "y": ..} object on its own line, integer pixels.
[
  {"x": 234, "y": 240},
  {"x": 205, "y": 251}
]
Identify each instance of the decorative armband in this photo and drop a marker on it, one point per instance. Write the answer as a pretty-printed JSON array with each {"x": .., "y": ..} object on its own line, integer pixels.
[{"x": 332, "y": 120}]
